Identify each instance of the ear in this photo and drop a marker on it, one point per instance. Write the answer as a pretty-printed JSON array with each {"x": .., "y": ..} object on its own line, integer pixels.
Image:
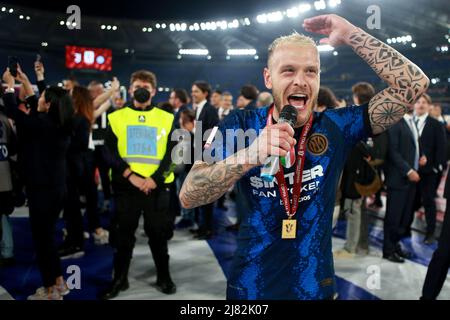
[
  {"x": 153, "y": 92},
  {"x": 130, "y": 91},
  {"x": 267, "y": 78}
]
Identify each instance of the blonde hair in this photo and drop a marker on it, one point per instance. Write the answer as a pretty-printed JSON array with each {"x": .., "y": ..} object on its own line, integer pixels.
[{"x": 294, "y": 37}]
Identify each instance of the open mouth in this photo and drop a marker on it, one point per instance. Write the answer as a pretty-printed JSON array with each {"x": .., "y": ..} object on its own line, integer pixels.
[{"x": 298, "y": 100}]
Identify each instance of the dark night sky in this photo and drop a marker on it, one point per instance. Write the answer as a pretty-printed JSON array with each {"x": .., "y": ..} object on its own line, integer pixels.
[{"x": 164, "y": 9}]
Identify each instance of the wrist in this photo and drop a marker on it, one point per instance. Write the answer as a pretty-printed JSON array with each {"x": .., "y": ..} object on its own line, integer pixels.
[
  {"x": 351, "y": 31},
  {"x": 40, "y": 77}
]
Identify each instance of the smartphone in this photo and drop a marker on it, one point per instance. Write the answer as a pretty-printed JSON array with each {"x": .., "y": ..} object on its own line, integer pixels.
[
  {"x": 123, "y": 93},
  {"x": 12, "y": 65}
]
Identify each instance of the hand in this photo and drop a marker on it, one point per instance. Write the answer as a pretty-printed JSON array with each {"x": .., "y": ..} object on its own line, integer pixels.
[
  {"x": 21, "y": 77},
  {"x": 148, "y": 185},
  {"x": 274, "y": 140},
  {"x": 368, "y": 159},
  {"x": 39, "y": 70},
  {"x": 413, "y": 176},
  {"x": 423, "y": 161},
  {"x": 8, "y": 78},
  {"x": 136, "y": 181},
  {"x": 115, "y": 84},
  {"x": 336, "y": 28}
]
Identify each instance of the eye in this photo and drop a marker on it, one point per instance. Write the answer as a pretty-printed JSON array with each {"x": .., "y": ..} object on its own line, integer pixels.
[
  {"x": 287, "y": 70},
  {"x": 311, "y": 71}
]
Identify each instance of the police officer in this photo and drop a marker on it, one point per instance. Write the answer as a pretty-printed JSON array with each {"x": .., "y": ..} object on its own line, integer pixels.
[{"x": 139, "y": 148}]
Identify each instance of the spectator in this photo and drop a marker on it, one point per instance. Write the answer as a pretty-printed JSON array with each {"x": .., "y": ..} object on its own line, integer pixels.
[{"x": 264, "y": 99}]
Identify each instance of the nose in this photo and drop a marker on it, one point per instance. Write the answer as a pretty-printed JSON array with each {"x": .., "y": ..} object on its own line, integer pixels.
[{"x": 300, "y": 80}]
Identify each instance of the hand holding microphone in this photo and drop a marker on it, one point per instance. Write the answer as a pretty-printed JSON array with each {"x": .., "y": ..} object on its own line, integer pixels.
[{"x": 275, "y": 141}]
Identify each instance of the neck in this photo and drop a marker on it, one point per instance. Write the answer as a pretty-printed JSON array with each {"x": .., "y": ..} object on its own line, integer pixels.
[{"x": 142, "y": 106}]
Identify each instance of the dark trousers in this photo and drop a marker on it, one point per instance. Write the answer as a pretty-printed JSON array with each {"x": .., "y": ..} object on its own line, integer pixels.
[
  {"x": 81, "y": 180},
  {"x": 398, "y": 215},
  {"x": 427, "y": 189},
  {"x": 205, "y": 214},
  {"x": 440, "y": 262},
  {"x": 158, "y": 226},
  {"x": 45, "y": 206},
  {"x": 103, "y": 168}
]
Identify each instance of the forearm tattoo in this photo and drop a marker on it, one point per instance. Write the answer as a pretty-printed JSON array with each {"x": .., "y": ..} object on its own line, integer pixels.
[
  {"x": 206, "y": 183},
  {"x": 406, "y": 81}
]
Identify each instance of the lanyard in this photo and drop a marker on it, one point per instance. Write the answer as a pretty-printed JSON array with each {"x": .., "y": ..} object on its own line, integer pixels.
[{"x": 298, "y": 177}]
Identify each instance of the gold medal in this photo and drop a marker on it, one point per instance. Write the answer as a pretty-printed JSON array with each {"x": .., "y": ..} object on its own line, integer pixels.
[{"x": 289, "y": 229}]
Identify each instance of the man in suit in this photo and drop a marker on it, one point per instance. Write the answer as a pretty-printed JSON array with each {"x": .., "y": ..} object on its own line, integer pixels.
[
  {"x": 178, "y": 99},
  {"x": 433, "y": 141},
  {"x": 401, "y": 170},
  {"x": 440, "y": 262},
  {"x": 206, "y": 117}
]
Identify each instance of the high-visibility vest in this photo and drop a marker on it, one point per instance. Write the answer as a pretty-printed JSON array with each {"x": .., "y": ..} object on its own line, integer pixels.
[{"x": 142, "y": 138}]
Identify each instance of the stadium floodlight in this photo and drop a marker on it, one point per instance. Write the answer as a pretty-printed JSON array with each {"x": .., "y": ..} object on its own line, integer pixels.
[
  {"x": 262, "y": 18},
  {"x": 324, "y": 48},
  {"x": 413, "y": 45},
  {"x": 334, "y": 3},
  {"x": 292, "y": 12},
  {"x": 304, "y": 7},
  {"x": 194, "y": 52},
  {"x": 241, "y": 52},
  {"x": 320, "y": 5},
  {"x": 183, "y": 26},
  {"x": 247, "y": 21},
  {"x": 172, "y": 27},
  {"x": 275, "y": 16}
]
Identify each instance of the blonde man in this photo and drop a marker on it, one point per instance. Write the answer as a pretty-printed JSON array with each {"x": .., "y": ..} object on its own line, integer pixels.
[{"x": 284, "y": 250}]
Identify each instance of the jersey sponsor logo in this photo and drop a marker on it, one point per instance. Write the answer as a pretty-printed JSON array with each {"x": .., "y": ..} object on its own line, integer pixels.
[
  {"x": 317, "y": 144},
  {"x": 310, "y": 183}
]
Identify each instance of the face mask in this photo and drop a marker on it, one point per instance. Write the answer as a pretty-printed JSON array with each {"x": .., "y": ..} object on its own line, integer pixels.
[{"x": 141, "y": 95}]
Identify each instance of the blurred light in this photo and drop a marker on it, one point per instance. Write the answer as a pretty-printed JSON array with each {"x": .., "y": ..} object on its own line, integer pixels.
[
  {"x": 160, "y": 89},
  {"x": 394, "y": 40},
  {"x": 389, "y": 41},
  {"x": 60, "y": 84},
  {"x": 335, "y": 53},
  {"x": 448, "y": 80},
  {"x": 304, "y": 7},
  {"x": 183, "y": 26},
  {"x": 203, "y": 26},
  {"x": 114, "y": 27},
  {"x": 438, "y": 49},
  {"x": 413, "y": 45},
  {"x": 196, "y": 52},
  {"x": 144, "y": 29},
  {"x": 292, "y": 12},
  {"x": 108, "y": 28},
  {"x": 166, "y": 89},
  {"x": 444, "y": 49},
  {"x": 320, "y": 5},
  {"x": 227, "y": 57},
  {"x": 241, "y": 52},
  {"x": 3, "y": 9},
  {"x": 44, "y": 44},
  {"x": 163, "y": 26},
  {"x": 275, "y": 16},
  {"x": 334, "y": 3},
  {"x": 21, "y": 17},
  {"x": 11, "y": 10},
  {"x": 178, "y": 57},
  {"x": 191, "y": 28},
  {"x": 408, "y": 38},
  {"x": 127, "y": 50},
  {"x": 262, "y": 18},
  {"x": 28, "y": 18},
  {"x": 158, "y": 26},
  {"x": 324, "y": 48},
  {"x": 74, "y": 24},
  {"x": 247, "y": 21},
  {"x": 256, "y": 57},
  {"x": 177, "y": 27},
  {"x": 208, "y": 57},
  {"x": 103, "y": 27}
]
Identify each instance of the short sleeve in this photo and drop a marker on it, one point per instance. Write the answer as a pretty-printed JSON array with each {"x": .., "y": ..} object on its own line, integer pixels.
[{"x": 353, "y": 122}]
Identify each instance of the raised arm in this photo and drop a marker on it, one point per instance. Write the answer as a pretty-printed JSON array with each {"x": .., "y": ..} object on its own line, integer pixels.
[
  {"x": 115, "y": 85},
  {"x": 206, "y": 183},
  {"x": 405, "y": 80}
]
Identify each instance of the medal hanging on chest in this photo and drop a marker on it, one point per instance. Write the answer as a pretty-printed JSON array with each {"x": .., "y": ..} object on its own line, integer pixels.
[{"x": 289, "y": 225}]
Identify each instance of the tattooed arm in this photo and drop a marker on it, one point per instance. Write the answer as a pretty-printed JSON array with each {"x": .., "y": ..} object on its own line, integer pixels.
[
  {"x": 405, "y": 80},
  {"x": 206, "y": 183}
]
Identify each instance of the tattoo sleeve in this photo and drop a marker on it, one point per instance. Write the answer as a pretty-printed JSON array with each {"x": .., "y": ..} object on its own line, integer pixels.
[
  {"x": 206, "y": 183},
  {"x": 405, "y": 80}
]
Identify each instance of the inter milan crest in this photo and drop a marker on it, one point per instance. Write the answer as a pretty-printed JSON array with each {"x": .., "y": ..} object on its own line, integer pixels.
[
  {"x": 317, "y": 144},
  {"x": 141, "y": 118}
]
